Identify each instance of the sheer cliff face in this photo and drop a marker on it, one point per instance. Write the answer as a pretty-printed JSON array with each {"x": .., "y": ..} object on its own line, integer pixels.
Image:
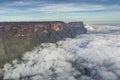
[{"x": 28, "y": 28}]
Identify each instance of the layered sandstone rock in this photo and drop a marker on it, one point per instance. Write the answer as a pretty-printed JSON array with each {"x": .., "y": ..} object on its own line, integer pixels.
[{"x": 28, "y": 28}]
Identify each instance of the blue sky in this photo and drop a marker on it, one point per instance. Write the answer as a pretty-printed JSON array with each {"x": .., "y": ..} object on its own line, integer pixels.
[{"x": 89, "y": 11}]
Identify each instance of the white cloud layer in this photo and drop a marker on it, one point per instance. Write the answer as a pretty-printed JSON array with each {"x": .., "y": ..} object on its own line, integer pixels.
[{"x": 93, "y": 56}]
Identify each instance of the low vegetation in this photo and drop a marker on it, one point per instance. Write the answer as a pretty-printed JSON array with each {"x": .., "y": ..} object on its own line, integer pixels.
[{"x": 14, "y": 47}]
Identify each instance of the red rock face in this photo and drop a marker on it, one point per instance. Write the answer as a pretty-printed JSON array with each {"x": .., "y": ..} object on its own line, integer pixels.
[{"x": 28, "y": 28}]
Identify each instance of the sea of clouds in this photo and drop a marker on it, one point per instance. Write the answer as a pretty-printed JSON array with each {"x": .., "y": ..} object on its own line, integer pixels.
[{"x": 91, "y": 56}]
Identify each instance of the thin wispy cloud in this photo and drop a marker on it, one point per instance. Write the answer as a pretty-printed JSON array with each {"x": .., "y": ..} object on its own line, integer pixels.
[
  {"x": 19, "y": 3},
  {"x": 25, "y": 3},
  {"x": 68, "y": 8},
  {"x": 54, "y": 8}
]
